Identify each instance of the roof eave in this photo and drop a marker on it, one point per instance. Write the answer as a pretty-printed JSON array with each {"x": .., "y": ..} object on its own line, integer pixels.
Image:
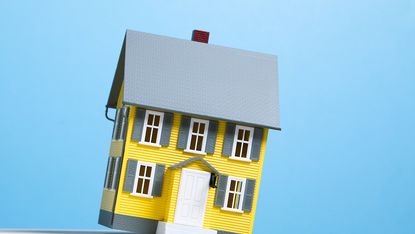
[
  {"x": 118, "y": 79},
  {"x": 206, "y": 117}
]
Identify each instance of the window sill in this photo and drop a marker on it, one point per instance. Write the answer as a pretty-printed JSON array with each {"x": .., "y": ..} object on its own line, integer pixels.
[
  {"x": 141, "y": 195},
  {"x": 117, "y": 140},
  {"x": 232, "y": 210},
  {"x": 194, "y": 152},
  {"x": 149, "y": 144},
  {"x": 109, "y": 189},
  {"x": 240, "y": 159}
]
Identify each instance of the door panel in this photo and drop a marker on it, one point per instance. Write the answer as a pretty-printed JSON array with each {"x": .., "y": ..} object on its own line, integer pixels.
[{"x": 191, "y": 202}]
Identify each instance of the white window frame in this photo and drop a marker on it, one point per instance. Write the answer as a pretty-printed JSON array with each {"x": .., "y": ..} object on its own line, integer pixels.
[
  {"x": 110, "y": 185},
  {"x": 124, "y": 118},
  {"x": 145, "y": 125},
  {"x": 235, "y": 140},
  {"x": 137, "y": 176},
  {"x": 242, "y": 194},
  {"x": 205, "y": 135}
]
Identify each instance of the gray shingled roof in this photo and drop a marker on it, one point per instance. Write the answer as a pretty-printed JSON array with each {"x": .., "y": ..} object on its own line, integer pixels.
[{"x": 197, "y": 79}]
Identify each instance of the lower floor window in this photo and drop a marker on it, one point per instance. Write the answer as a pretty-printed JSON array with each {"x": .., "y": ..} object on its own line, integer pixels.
[
  {"x": 144, "y": 179},
  {"x": 234, "y": 193},
  {"x": 112, "y": 170}
]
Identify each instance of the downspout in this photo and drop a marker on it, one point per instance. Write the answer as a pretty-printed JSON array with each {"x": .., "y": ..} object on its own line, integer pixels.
[{"x": 106, "y": 114}]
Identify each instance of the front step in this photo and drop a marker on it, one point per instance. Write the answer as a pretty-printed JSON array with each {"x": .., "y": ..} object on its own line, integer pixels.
[{"x": 172, "y": 228}]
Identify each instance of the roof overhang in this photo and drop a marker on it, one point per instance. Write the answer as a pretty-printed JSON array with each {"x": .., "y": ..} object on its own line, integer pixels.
[
  {"x": 197, "y": 79},
  {"x": 194, "y": 159}
]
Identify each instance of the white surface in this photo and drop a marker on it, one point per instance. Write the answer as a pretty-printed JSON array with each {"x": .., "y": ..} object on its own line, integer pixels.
[
  {"x": 170, "y": 228},
  {"x": 191, "y": 201}
]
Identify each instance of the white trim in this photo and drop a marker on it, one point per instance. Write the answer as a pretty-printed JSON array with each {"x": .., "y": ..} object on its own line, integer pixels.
[
  {"x": 149, "y": 144},
  {"x": 242, "y": 194},
  {"x": 114, "y": 175},
  {"x": 181, "y": 193},
  {"x": 150, "y": 186},
  {"x": 189, "y": 136},
  {"x": 141, "y": 195},
  {"x": 159, "y": 128},
  {"x": 123, "y": 122},
  {"x": 117, "y": 140},
  {"x": 194, "y": 152},
  {"x": 240, "y": 159},
  {"x": 232, "y": 210},
  {"x": 107, "y": 174},
  {"x": 235, "y": 140},
  {"x": 111, "y": 172}
]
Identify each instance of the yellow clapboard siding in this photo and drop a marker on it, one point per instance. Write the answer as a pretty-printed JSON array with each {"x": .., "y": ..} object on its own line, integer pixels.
[{"x": 163, "y": 208}]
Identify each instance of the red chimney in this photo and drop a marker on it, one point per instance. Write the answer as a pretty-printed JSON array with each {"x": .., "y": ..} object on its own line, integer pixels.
[{"x": 200, "y": 36}]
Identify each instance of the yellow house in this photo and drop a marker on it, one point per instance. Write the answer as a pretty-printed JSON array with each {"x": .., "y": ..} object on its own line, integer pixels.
[{"x": 189, "y": 136}]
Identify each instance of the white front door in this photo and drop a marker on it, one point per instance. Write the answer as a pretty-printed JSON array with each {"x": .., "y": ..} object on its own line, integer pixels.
[{"x": 191, "y": 201}]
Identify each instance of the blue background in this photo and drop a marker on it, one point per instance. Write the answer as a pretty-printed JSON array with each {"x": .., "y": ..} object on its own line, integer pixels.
[{"x": 344, "y": 162}]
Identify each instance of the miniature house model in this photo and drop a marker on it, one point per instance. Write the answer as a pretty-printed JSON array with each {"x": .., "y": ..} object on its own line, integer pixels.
[{"x": 189, "y": 135}]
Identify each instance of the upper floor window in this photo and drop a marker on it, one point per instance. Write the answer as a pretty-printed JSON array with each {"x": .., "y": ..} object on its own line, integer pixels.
[
  {"x": 234, "y": 194},
  {"x": 196, "y": 141},
  {"x": 242, "y": 143},
  {"x": 143, "y": 183},
  {"x": 152, "y": 127}
]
